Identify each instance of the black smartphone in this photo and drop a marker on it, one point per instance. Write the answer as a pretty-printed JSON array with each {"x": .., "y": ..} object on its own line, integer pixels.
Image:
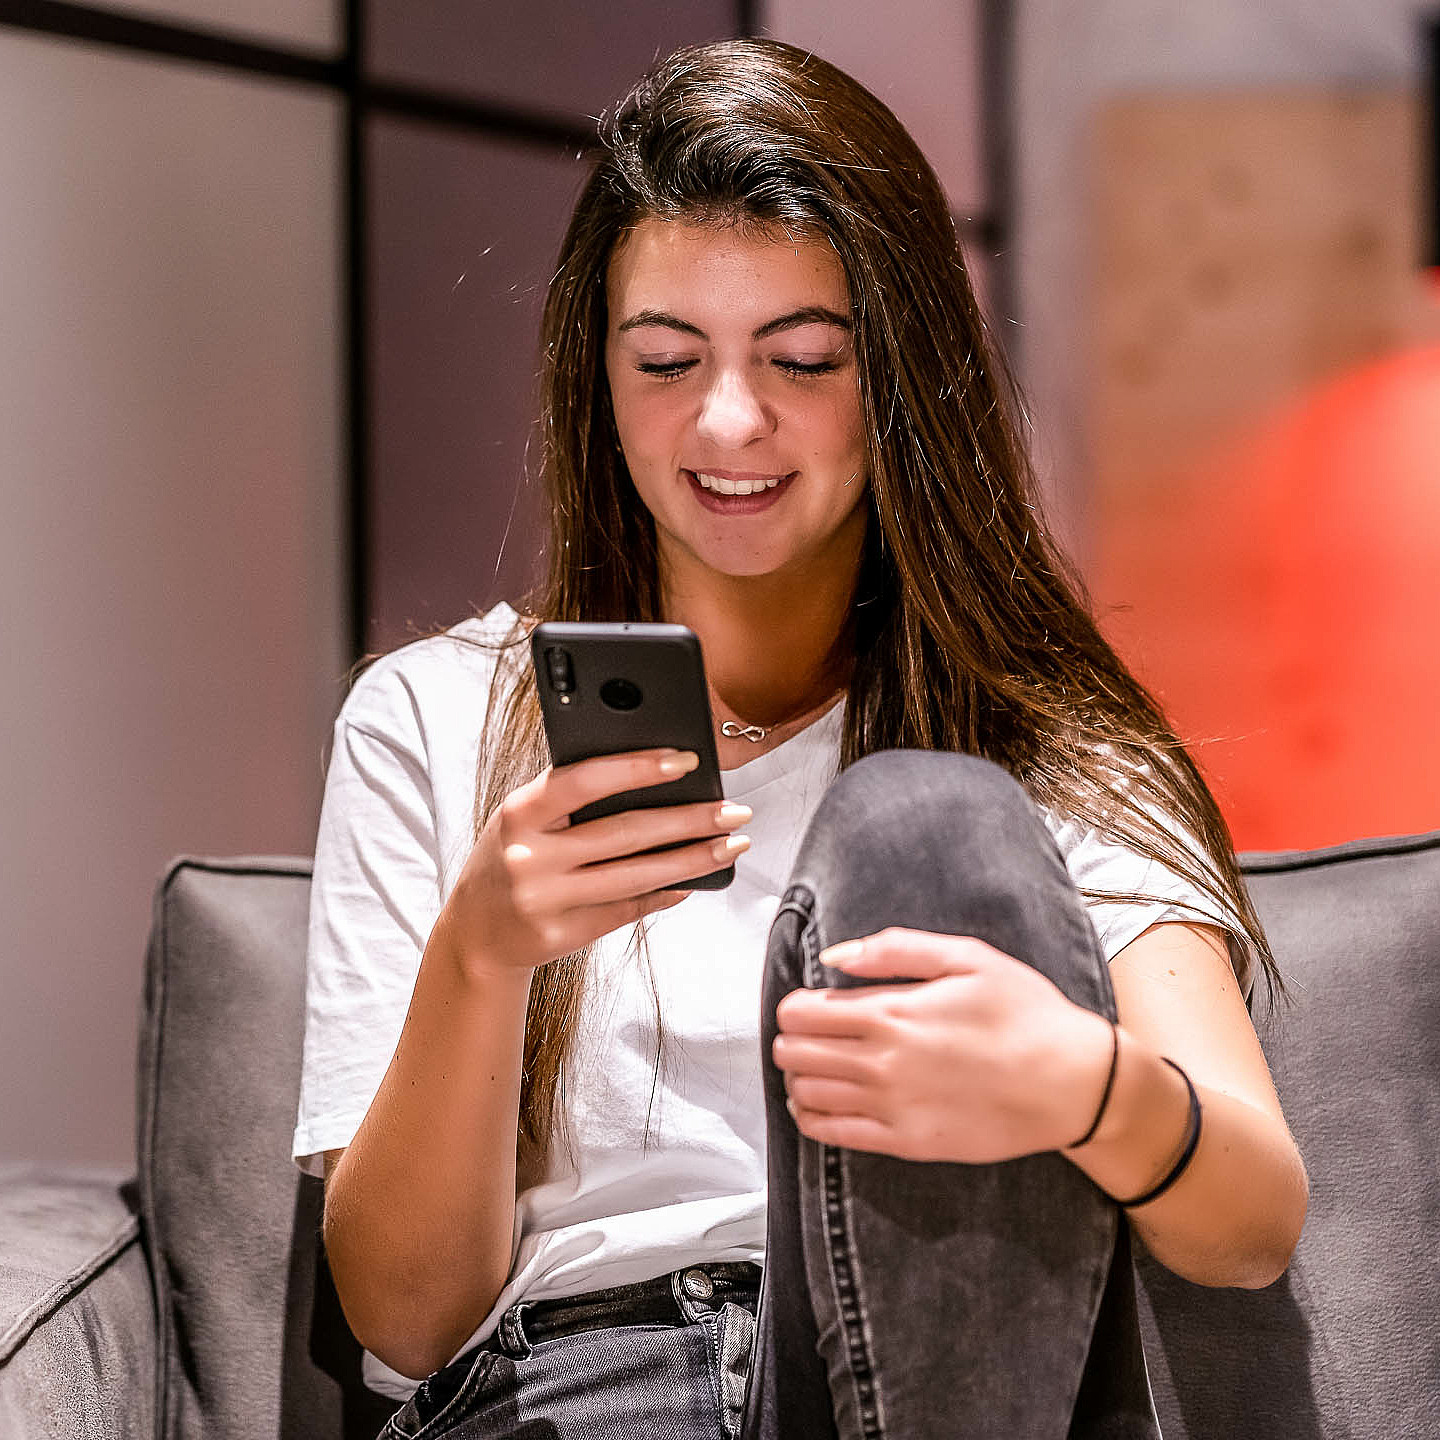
[{"x": 608, "y": 688}]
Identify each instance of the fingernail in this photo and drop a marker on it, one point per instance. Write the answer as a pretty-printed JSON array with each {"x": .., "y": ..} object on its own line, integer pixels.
[
  {"x": 732, "y": 814},
  {"x": 730, "y": 846},
  {"x": 790, "y": 1106},
  {"x": 841, "y": 954},
  {"x": 680, "y": 763}
]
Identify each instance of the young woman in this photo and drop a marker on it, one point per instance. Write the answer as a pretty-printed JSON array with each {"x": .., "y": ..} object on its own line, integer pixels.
[{"x": 543, "y": 1083}]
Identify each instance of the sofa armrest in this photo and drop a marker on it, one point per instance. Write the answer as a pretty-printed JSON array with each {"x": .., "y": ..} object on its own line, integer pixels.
[{"x": 77, "y": 1314}]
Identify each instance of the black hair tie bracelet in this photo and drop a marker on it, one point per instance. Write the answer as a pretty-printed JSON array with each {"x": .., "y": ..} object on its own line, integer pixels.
[
  {"x": 1187, "y": 1152},
  {"x": 1105, "y": 1093}
]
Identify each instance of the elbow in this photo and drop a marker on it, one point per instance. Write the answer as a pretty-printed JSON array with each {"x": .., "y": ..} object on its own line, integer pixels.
[
  {"x": 402, "y": 1336},
  {"x": 406, "y": 1327},
  {"x": 404, "y": 1356},
  {"x": 1259, "y": 1269},
  {"x": 1250, "y": 1253},
  {"x": 1270, "y": 1256},
  {"x": 1249, "y": 1262},
  {"x": 1261, "y": 1257}
]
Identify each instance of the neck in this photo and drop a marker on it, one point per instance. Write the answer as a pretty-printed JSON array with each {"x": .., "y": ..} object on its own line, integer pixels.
[{"x": 776, "y": 646}]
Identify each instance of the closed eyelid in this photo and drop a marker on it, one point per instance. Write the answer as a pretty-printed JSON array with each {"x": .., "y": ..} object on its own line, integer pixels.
[
  {"x": 786, "y": 348},
  {"x": 811, "y": 352}
]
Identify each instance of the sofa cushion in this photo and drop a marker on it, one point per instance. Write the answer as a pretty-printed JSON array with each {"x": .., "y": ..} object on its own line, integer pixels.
[
  {"x": 77, "y": 1326},
  {"x": 1346, "y": 1342},
  {"x": 232, "y": 1224}
]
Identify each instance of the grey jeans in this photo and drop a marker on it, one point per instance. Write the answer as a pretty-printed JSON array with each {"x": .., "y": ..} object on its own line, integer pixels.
[
  {"x": 923, "y": 1300},
  {"x": 899, "y": 1300}
]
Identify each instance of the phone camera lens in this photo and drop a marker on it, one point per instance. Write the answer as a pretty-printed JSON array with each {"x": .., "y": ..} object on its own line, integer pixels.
[
  {"x": 561, "y": 671},
  {"x": 620, "y": 694}
]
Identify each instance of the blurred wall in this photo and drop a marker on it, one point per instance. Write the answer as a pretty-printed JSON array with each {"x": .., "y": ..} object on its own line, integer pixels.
[
  {"x": 170, "y": 559},
  {"x": 1069, "y": 60},
  {"x": 1218, "y": 242},
  {"x": 174, "y": 481}
]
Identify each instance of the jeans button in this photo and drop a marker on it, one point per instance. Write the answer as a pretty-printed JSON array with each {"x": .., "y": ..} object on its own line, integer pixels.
[{"x": 697, "y": 1285}]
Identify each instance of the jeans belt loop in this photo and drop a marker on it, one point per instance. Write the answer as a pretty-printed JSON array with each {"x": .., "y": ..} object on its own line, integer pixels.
[{"x": 512, "y": 1332}]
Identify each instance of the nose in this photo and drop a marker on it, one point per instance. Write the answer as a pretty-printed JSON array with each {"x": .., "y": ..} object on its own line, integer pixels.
[{"x": 731, "y": 413}]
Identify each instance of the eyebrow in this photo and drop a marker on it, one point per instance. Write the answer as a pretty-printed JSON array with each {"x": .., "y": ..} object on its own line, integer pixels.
[{"x": 806, "y": 315}]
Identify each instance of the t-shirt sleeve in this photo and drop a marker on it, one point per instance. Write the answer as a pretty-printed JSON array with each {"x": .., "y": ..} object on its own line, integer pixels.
[
  {"x": 1106, "y": 867},
  {"x": 374, "y": 897}
]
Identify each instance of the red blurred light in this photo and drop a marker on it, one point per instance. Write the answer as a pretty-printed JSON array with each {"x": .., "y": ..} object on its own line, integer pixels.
[{"x": 1296, "y": 618}]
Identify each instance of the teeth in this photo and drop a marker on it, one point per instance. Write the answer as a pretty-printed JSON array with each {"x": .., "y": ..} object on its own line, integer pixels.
[{"x": 735, "y": 487}]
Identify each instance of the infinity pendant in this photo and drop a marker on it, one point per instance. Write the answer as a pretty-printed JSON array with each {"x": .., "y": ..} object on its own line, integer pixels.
[{"x": 753, "y": 733}]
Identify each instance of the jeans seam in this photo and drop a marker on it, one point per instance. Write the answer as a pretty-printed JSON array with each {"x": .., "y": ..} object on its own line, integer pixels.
[
  {"x": 798, "y": 900},
  {"x": 842, "y": 1273},
  {"x": 847, "y": 1294},
  {"x": 710, "y": 1338}
]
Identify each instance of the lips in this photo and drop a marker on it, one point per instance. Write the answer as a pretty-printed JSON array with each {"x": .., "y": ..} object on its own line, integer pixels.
[
  {"x": 736, "y": 482},
  {"x": 738, "y": 492}
]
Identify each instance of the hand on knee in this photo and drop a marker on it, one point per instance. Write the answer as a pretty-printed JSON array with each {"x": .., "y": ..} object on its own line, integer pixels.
[{"x": 955, "y": 1052}]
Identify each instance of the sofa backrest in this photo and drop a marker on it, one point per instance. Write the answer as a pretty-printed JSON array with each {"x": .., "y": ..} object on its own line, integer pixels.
[
  {"x": 250, "y": 1348},
  {"x": 1346, "y": 1343},
  {"x": 252, "y": 1345}
]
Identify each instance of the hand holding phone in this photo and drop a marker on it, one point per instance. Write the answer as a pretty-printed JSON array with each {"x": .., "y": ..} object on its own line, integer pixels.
[
  {"x": 630, "y": 816},
  {"x": 535, "y": 887},
  {"x": 615, "y": 689}
]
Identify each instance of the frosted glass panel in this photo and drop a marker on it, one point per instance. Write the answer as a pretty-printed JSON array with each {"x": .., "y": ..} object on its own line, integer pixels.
[
  {"x": 171, "y": 600},
  {"x": 465, "y": 233},
  {"x": 556, "y": 55},
  {"x": 922, "y": 60},
  {"x": 290, "y": 24}
]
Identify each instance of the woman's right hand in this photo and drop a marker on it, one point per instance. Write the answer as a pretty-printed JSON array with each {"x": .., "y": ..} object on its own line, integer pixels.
[{"x": 535, "y": 887}]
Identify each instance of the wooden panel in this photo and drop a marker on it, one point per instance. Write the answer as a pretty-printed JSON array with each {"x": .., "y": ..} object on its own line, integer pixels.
[{"x": 1264, "y": 415}]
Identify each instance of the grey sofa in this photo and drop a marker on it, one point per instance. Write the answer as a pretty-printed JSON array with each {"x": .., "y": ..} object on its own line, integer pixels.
[{"x": 193, "y": 1302}]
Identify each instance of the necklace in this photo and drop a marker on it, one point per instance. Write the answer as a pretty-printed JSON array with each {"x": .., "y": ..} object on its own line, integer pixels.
[
  {"x": 753, "y": 733},
  {"x": 739, "y": 730}
]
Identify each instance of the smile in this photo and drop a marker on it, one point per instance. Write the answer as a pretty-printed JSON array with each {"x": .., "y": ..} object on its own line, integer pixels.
[
  {"x": 736, "y": 492},
  {"x": 739, "y": 485}
]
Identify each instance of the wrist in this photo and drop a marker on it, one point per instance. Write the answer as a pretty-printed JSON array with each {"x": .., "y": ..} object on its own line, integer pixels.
[
  {"x": 473, "y": 964},
  {"x": 1144, "y": 1125},
  {"x": 1083, "y": 1093},
  {"x": 1107, "y": 1088}
]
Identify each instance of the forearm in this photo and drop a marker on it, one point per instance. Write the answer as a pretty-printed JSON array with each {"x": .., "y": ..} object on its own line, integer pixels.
[
  {"x": 419, "y": 1210},
  {"x": 1234, "y": 1215}
]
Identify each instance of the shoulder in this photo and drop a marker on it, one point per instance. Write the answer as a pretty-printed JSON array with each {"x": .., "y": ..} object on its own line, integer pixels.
[
  {"x": 1127, "y": 891},
  {"x": 408, "y": 695}
]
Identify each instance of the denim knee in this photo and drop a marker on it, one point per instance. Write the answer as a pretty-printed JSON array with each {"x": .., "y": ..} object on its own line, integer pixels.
[
  {"x": 899, "y": 806},
  {"x": 947, "y": 843}
]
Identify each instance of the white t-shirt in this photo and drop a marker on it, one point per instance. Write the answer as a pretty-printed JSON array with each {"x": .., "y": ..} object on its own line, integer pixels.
[{"x": 645, "y": 1185}]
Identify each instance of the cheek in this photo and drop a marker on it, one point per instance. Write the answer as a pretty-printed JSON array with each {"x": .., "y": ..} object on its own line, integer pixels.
[
  {"x": 643, "y": 420},
  {"x": 844, "y": 425}
]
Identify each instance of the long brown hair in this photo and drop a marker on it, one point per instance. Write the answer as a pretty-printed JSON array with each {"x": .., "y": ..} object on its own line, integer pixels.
[{"x": 971, "y": 631}]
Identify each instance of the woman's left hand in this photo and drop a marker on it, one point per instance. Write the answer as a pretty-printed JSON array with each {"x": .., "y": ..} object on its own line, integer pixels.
[{"x": 972, "y": 1056}]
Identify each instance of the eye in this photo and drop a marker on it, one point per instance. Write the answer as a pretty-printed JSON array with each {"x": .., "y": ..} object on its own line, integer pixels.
[
  {"x": 664, "y": 369},
  {"x": 804, "y": 368}
]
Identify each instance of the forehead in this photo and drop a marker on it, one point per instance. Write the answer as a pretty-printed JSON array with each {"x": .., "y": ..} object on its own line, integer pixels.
[{"x": 665, "y": 264}]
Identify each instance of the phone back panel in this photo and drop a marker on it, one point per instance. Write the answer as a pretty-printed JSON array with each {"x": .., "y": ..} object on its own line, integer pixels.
[{"x": 667, "y": 704}]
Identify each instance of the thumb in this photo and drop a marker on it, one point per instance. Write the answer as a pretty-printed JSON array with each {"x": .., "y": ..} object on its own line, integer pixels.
[{"x": 911, "y": 954}]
